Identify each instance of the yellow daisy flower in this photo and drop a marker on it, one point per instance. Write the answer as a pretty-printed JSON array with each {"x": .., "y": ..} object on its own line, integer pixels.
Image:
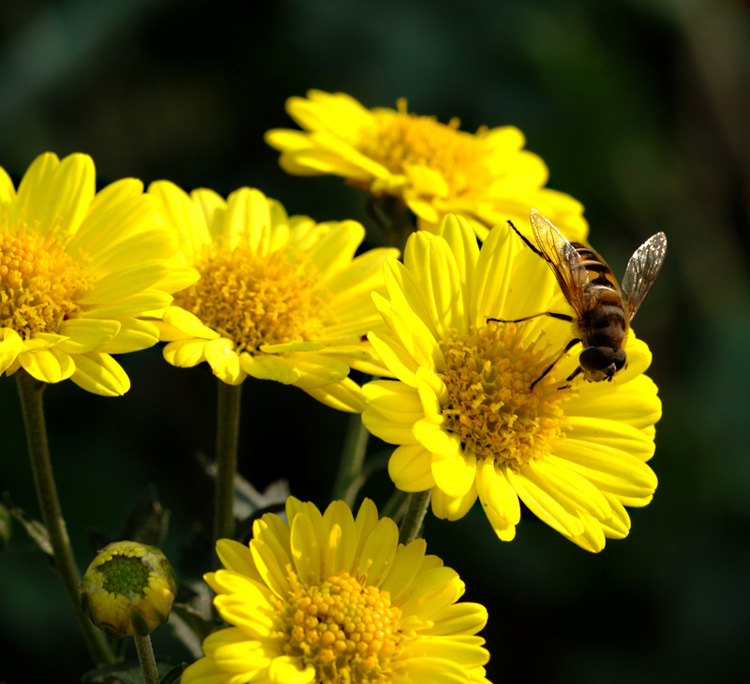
[
  {"x": 76, "y": 270},
  {"x": 280, "y": 298},
  {"x": 328, "y": 598},
  {"x": 467, "y": 422},
  {"x": 487, "y": 177}
]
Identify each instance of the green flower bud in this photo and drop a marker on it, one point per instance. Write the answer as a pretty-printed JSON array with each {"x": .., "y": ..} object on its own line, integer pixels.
[{"x": 128, "y": 589}]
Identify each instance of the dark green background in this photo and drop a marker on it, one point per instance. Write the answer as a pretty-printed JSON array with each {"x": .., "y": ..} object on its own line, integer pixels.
[{"x": 639, "y": 109}]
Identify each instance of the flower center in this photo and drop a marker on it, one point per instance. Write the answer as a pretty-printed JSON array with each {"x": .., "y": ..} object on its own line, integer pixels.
[
  {"x": 346, "y": 631},
  {"x": 125, "y": 575},
  {"x": 491, "y": 406},
  {"x": 39, "y": 282},
  {"x": 256, "y": 300},
  {"x": 406, "y": 139}
]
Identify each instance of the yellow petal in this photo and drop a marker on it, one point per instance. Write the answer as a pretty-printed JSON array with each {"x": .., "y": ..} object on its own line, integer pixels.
[
  {"x": 11, "y": 345},
  {"x": 455, "y": 472},
  {"x": 345, "y": 395},
  {"x": 150, "y": 300},
  {"x": 48, "y": 365},
  {"x": 87, "y": 334},
  {"x": 7, "y": 189},
  {"x": 124, "y": 283},
  {"x": 460, "y": 618},
  {"x": 406, "y": 565},
  {"x": 499, "y": 500},
  {"x": 188, "y": 323},
  {"x": 224, "y": 361},
  {"x": 183, "y": 215},
  {"x": 305, "y": 551},
  {"x": 204, "y": 671},
  {"x": 378, "y": 553},
  {"x": 288, "y": 670},
  {"x": 134, "y": 334},
  {"x": 100, "y": 374},
  {"x": 449, "y": 507},
  {"x": 269, "y": 568},
  {"x": 544, "y": 506},
  {"x": 410, "y": 468},
  {"x": 55, "y": 191},
  {"x": 185, "y": 353},
  {"x": 267, "y": 367},
  {"x": 236, "y": 557}
]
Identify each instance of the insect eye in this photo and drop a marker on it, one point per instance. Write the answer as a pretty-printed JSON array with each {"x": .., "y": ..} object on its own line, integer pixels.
[
  {"x": 599, "y": 358},
  {"x": 619, "y": 359}
]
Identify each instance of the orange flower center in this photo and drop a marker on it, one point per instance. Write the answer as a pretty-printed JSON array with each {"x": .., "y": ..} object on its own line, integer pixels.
[
  {"x": 491, "y": 407},
  {"x": 39, "y": 282},
  {"x": 256, "y": 299},
  {"x": 348, "y": 632},
  {"x": 404, "y": 140}
]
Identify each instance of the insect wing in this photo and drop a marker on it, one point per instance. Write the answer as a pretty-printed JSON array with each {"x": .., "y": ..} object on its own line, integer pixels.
[
  {"x": 565, "y": 261},
  {"x": 642, "y": 270}
]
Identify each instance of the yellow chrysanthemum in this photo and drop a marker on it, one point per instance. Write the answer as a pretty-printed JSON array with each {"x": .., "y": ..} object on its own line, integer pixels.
[
  {"x": 76, "y": 270},
  {"x": 436, "y": 168},
  {"x": 336, "y": 600},
  {"x": 463, "y": 412},
  {"x": 280, "y": 298}
]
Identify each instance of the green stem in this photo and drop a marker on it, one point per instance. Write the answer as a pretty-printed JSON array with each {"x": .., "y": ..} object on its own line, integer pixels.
[
  {"x": 30, "y": 392},
  {"x": 352, "y": 460},
  {"x": 415, "y": 512},
  {"x": 227, "y": 435},
  {"x": 146, "y": 656}
]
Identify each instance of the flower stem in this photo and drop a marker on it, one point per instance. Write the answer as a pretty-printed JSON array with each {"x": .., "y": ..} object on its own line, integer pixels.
[
  {"x": 146, "y": 656},
  {"x": 227, "y": 435},
  {"x": 352, "y": 460},
  {"x": 415, "y": 512},
  {"x": 30, "y": 392}
]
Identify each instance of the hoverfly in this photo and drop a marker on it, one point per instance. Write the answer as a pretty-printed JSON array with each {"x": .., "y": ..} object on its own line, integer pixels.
[{"x": 603, "y": 310}]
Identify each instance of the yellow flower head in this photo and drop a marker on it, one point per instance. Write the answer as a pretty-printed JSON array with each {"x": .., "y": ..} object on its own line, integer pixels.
[
  {"x": 76, "y": 270},
  {"x": 128, "y": 589},
  {"x": 463, "y": 411},
  {"x": 280, "y": 298},
  {"x": 436, "y": 168},
  {"x": 331, "y": 599}
]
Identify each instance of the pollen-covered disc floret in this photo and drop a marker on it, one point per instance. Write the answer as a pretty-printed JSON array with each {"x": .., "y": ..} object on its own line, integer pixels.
[
  {"x": 348, "y": 632},
  {"x": 435, "y": 168},
  {"x": 280, "y": 298},
  {"x": 474, "y": 412},
  {"x": 257, "y": 300},
  {"x": 491, "y": 407},
  {"x": 335, "y": 599},
  {"x": 39, "y": 282},
  {"x": 128, "y": 589},
  {"x": 77, "y": 271}
]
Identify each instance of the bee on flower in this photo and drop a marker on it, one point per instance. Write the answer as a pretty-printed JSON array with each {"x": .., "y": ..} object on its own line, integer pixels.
[{"x": 480, "y": 408}]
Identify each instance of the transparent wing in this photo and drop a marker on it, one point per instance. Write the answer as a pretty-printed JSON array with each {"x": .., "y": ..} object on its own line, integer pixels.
[
  {"x": 563, "y": 258},
  {"x": 642, "y": 270}
]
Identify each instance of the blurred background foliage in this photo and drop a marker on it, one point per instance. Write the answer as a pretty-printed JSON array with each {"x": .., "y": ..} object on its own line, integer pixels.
[{"x": 640, "y": 111}]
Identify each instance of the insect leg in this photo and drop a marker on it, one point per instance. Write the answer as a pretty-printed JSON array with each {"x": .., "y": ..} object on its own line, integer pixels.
[
  {"x": 552, "y": 314},
  {"x": 568, "y": 347},
  {"x": 528, "y": 242}
]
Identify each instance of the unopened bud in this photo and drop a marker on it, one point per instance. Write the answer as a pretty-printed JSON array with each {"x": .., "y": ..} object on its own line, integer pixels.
[{"x": 128, "y": 589}]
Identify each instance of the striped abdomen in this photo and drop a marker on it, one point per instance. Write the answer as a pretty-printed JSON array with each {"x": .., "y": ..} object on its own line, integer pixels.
[{"x": 604, "y": 321}]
